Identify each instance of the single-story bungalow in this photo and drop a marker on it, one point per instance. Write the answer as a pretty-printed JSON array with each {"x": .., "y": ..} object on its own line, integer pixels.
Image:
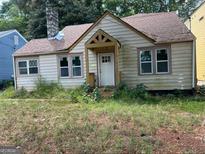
[{"x": 155, "y": 49}]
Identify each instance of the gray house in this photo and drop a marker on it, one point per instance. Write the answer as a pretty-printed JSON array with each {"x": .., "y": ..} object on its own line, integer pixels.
[{"x": 154, "y": 49}]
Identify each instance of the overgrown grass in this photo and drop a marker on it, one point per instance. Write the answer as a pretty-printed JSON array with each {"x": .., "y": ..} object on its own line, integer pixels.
[
  {"x": 71, "y": 121},
  {"x": 110, "y": 126}
]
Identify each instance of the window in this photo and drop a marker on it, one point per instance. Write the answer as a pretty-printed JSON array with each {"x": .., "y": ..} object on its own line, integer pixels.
[
  {"x": 76, "y": 66},
  {"x": 154, "y": 60},
  {"x": 22, "y": 67},
  {"x": 106, "y": 59},
  {"x": 33, "y": 67},
  {"x": 70, "y": 66},
  {"x": 27, "y": 67},
  {"x": 145, "y": 62},
  {"x": 162, "y": 61},
  {"x": 64, "y": 70}
]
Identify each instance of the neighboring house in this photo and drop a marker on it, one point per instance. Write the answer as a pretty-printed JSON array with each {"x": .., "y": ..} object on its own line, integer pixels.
[
  {"x": 196, "y": 23},
  {"x": 154, "y": 49},
  {"x": 10, "y": 41}
]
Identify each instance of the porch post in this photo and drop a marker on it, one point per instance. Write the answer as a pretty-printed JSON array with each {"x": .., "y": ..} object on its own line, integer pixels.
[
  {"x": 87, "y": 64},
  {"x": 117, "y": 74}
]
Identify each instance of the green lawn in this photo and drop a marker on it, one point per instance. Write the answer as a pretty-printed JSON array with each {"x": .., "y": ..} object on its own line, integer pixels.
[{"x": 109, "y": 126}]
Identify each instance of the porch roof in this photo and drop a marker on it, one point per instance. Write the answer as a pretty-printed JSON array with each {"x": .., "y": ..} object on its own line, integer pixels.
[{"x": 158, "y": 27}]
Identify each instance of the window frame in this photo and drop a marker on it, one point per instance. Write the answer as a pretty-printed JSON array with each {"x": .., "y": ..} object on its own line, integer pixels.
[
  {"x": 70, "y": 66},
  {"x": 156, "y": 61},
  {"x": 81, "y": 64},
  {"x": 59, "y": 60},
  {"x": 27, "y": 67},
  {"x": 153, "y": 50},
  {"x": 22, "y": 67},
  {"x": 146, "y": 62}
]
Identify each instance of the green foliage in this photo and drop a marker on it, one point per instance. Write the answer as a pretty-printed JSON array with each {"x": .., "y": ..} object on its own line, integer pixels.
[
  {"x": 122, "y": 91},
  {"x": 86, "y": 88},
  {"x": 201, "y": 90},
  {"x": 100, "y": 127},
  {"x": 21, "y": 93},
  {"x": 96, "y": 94},
  {"x": 29, "y": 16},
  {"x": 12, "y": 18},
  {"x": 9, "y": 92},
  {"x": 45, "y": 89}
]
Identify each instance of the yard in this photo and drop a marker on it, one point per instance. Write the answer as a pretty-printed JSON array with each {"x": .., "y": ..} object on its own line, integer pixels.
[{"x": 161, "y": 125}]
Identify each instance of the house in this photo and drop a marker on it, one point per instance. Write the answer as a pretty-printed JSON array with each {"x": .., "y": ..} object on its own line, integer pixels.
[
  {"x": 196, "y": 24},
  {"x": 10, "y": 41},
  {"x": 155, "y": 49}
]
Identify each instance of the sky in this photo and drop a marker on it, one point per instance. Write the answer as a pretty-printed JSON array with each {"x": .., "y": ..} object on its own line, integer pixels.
[{"x": 1, "y": 1}]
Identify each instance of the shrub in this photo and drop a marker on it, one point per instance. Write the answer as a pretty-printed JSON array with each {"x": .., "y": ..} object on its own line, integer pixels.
[
  {"x": 96, "y": 94},
  {"x": 21, "y": 93},
  {"x": 45, "y": 89},
  {"x": 122, "y": 91},
  {"x": 140, "y": 91},
  {"x": 8, "y": 93},
  {"x": 201, "y": 90},
  {"x": 86, "y": 88},
  {"x": 6, "y": 84}
]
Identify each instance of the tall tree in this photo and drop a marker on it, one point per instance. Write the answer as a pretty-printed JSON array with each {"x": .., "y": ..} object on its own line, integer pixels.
[
  {"x": 12, "y": 18},
  {"x": 70, "y": 12}
]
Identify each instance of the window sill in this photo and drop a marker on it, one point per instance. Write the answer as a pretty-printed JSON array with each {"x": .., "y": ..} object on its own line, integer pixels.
[
  {"x": 28, "y": 75},
  {"x": 155, "y": 74},
  {"x": 77, "y": 77}
]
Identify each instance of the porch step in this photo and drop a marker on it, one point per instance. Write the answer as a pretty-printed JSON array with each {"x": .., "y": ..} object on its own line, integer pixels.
[{"x": 106, "y": 92}]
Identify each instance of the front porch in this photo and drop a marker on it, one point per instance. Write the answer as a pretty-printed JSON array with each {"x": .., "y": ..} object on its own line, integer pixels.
[{"x": 105, "y": 48}]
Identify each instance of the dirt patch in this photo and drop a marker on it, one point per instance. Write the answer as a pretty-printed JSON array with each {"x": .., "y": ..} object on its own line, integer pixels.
[{"x": 181, "y": 142}]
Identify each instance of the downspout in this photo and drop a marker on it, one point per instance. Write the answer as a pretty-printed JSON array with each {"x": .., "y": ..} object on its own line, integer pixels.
[
  {"x": 14, "y": 71},
  {"x": 194, "y": 64}
]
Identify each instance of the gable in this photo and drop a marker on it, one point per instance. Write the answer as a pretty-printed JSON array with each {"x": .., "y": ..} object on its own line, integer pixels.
[
  {"x": 114, "y": 28},
  {"x": 12, "y": 32}
]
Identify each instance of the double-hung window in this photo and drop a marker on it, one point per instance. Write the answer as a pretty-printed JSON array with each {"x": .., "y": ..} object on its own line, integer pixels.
[
  {"x": 154, "y": 60},
  {"x": 146, "y": 62},
  {"x": 23, "y": 67},
  {"x": 71, "y": 66},
  {"x": 27, "y": 67},
  {"x": 76, "y": 66},
  {"x": 64, "y": 69},
  {"x": 162, "y": 62}
]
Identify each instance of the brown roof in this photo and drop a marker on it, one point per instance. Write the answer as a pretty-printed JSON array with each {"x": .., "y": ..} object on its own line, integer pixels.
[{"x": 160, "y": 27}]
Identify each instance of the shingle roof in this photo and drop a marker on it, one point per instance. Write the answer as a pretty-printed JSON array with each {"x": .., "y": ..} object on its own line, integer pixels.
[{"x": 160, "y": 27}]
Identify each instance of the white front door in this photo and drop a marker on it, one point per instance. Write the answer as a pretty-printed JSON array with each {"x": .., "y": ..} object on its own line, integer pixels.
[{"x": 106, "y": 69}]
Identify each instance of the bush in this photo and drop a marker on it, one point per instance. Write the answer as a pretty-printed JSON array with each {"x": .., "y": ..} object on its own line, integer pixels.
[
  {"x": 8, "y": 93},
  {"x": 122, "y": 91},
  {"x": 201, "y": 90},
  {"x": 46, "y": 89},
  {"x": 21, "y": 93},
  {"x": 96, "y": 94},
  {"x": 6, "y": 84},
  {"x": 140, "y": 91},
  {"x": 87, "y": 88}
]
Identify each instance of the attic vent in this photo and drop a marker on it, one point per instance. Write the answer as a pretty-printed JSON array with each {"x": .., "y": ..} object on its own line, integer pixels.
[
  {"x": 16, "y": 40},
  {"x": 201, "y": 18}
]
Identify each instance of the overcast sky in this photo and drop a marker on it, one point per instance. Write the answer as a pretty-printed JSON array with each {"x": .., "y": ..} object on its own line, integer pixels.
[{"x": 1, "y": 1}]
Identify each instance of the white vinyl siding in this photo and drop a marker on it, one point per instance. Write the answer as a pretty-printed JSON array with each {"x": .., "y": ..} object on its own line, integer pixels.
[
  {"x": 49, "y": 67},
  {"x": 180, "y": 76}
]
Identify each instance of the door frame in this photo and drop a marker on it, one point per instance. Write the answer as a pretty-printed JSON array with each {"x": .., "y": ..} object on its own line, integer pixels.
[{"x": 99, "y": 67}]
